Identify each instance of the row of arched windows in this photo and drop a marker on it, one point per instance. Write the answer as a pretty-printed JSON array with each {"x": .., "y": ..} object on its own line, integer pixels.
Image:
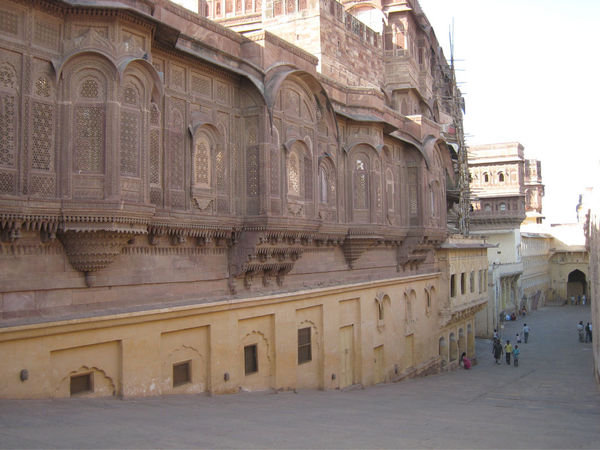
[
  {"x": 116, "y": 123},
  {"x": 410, "y": 300},
  {"x": 500, "y": 177},
  {"x": 451, "y": 347}
]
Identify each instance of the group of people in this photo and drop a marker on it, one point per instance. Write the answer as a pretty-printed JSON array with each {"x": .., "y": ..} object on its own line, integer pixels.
[
  {"x": 508, "y": 350},
  {"x": 511, "y": 352},
  {"x": 513, "y": 315},
  {"x": 584, "y": 331},
  {"x": 579, "y": 300}
]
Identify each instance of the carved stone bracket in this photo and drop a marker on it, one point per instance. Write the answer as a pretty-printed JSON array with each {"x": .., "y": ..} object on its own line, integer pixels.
[
  {"x": 12, "y": 226},
  {"x": 412, "y": 252},
  {"x": 90, "y": 251},
  {"x": 178, "y": 234},
  {"x": 269, "y": 255},
  {"x": 10, "y": 233},
  {"x": 204, "y": 204},
  {"x": 354, "y": 246},
  {"x": 449, "y": 316},
  {"x": 295, "y": 209}
]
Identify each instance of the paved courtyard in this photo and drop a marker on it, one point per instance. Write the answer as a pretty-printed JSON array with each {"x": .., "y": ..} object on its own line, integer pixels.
[{"x": 550, "y": 401}]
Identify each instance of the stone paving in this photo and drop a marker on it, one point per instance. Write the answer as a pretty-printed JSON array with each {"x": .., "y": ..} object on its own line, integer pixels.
[{"x": 549, "y": 401}]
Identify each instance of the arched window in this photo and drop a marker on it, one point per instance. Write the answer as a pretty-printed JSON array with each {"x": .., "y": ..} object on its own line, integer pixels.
[
  {"x": 487, "y": 207},
  {"x": 389, "y": 189},
  {"x": 9, "y": 115},
  {"x": 470, "y": 341},
  {"x": 155, "y": 163},
  {"x": 486, "y": 178},
  {"x": 462, "y": 342},
  {"x": 502, "y": 206},
  {"x": 42, "y": 132},
  {"x": 453, "y": 348},
  {"x": 443, "y": 350},
  {"x": 293, "y": 174},
  {"x": 413, "y": 195},
  {"x": 90, "y": 125},
  {"x": 404, "y": 110},
  {"x": 500, "y": 177},
  {"x": 399, "y": 36},
  {"x": 323, "y": 185},
  {"x": 433, "y": 200},
  {"x": 202, "y": 161},
  {"x": 361, "y": 183},
  {"x": 131, "y": 128}
]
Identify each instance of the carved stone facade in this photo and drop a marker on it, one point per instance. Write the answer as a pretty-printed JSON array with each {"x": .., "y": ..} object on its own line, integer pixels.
[
  {"x": 152, "y": 160},
  {"x": 497, "y": 173},
  {"x": 534, "y": 191},
  {"x": 592, "y": 234},
  {"x": 529, "y": 263}
]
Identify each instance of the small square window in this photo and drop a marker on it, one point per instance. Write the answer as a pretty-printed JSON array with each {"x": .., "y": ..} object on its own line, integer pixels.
[
  {"x": 81, "y": 384},
  {"x": 250, "y": 359},
  {"x": 304, "y": 347},
  {"x": 181, "y": 373}
]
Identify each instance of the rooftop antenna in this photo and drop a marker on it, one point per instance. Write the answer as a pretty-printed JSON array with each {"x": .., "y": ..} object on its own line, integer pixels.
[{"x": 451, "y": 40}]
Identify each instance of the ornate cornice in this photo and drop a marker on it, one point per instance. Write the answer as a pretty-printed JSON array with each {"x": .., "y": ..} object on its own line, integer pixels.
[
  {"x": 450, "y": 316},
  {"x": 268, "y": 251}
]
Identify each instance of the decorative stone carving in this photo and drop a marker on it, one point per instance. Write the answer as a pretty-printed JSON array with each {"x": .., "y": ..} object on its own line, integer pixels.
[
  {"x": 47, "y": 236},
  {"x": 90, "y": 251},
  {"x": 448, "y": 316},
  {"x": 92, "y": 39},
  {"x": 354, "y": 246},
  {"x": 411, "y": 252},
  {"x": 10, "y": 234},
  {"x": 295, "y": 209},
  {"x": 267, "y": 254},
  {"x": 204, "y": 204}
]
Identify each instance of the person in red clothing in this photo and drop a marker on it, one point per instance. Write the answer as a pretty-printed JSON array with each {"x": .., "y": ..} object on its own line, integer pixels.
[{"x": 466, "y": 362}]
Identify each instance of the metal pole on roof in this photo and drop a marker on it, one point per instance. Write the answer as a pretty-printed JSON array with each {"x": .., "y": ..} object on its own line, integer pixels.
[{"x": 463, "y": 162}]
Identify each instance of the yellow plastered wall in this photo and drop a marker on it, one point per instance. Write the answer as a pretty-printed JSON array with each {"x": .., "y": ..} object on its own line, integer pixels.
[{"x": 132, "y": 354}]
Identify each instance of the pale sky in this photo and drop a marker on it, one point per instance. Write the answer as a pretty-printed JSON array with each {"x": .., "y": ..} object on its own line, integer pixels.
[{"x": 529, "y": 71}]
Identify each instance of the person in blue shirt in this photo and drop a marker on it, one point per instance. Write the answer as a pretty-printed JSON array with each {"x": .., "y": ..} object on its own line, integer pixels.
[{"x": 516, "y": 353}]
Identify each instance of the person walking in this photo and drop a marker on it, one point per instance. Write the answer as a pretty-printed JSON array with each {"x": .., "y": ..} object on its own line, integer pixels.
[
  {"x": 497, "y": 350},
  {"x": 580, "y": 330},
  {"x": 588, "y": 332},
  {"x": 525, "y": 332},
  {"x": 508, "y": 350},
  {"x": 518, "y": 339},
  {"x": 516, "y": 353}
]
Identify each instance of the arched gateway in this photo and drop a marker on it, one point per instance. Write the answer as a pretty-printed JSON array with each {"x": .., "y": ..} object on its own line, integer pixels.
[{"x": 576, "y": 284}]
